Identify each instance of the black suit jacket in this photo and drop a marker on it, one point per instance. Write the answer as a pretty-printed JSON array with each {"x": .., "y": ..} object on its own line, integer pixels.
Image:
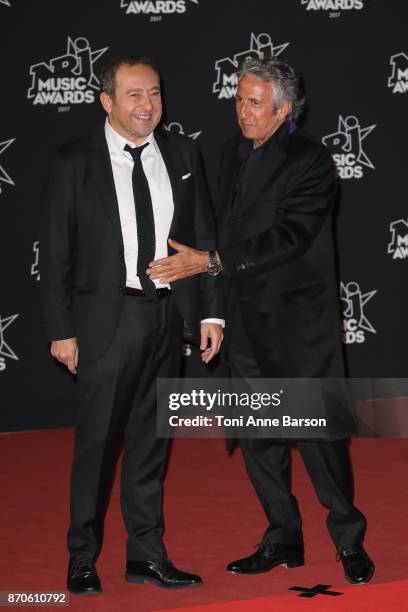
[
  {"x": 83, "y": 271},
  {"x": 276, "y": 245}
]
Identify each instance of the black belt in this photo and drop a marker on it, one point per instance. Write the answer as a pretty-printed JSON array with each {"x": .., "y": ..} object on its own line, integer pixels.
[{"x": 161, "y": 292}]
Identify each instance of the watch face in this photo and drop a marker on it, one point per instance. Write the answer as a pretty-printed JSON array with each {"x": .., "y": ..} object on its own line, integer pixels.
[{"x": 214, "y": 269}]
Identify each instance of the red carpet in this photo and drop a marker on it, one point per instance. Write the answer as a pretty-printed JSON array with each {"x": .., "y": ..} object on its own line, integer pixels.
[
  {"x": 389, "y": 596},
  {"x": 212, "y": 517}
]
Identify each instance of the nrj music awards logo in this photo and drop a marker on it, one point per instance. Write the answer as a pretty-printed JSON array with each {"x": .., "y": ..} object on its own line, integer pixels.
[
  {"x": 177, "y": 128},
  {"x": 4, "y": 177},
  {"x": 355, "y": 321},
  {"x": 155, "y": 7},
  {"x": 398, "y": 80},
  {"x": 398, "y": 245},
  {"x": 68, "y": 78},
  {"x": 333, "y": 5},
  {"x": 260, "y": 46},
  {"x": 346, "y": 147},
  {"x": 5, "y": 350}
]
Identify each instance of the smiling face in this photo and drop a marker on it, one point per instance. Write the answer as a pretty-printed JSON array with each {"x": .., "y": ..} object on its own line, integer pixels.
[
  {"x": 256, "y": 113},
  {"x": 136, "y": 108}
]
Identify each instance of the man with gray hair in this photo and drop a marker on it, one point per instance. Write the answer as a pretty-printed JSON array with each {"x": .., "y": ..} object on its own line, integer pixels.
[{"x": 277, "y": 194}]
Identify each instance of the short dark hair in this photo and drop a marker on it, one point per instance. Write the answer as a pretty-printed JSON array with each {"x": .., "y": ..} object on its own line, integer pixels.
[{"x": 108, "y": 73}]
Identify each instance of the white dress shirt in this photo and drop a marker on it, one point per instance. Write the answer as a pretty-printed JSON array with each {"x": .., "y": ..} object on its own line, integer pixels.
[
  {"x": 162, "y": 200},
  {"x": 160, "y": 191}
]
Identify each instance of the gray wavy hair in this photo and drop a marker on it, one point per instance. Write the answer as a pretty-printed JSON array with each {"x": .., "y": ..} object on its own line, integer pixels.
[{"x": 286, "y": 82}]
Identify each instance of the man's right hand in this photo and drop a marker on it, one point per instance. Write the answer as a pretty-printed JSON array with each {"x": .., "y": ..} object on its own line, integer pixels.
[
  {"x": 66, "y": 351},
  {"x": 185, "y": 262}
]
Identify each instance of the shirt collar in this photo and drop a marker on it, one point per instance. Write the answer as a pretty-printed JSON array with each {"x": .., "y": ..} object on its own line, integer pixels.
[{"x": 117, "y": 143}]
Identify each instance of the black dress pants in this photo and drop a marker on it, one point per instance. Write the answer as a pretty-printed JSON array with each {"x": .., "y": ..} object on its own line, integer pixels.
[
  {"x": 118, "y": 401},
  {"x": 267, "y": 462}
]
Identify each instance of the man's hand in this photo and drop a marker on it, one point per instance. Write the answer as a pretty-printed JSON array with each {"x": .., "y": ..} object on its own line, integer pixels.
[
  {"x": 212, "y": 332},
  {"x": 66, "y": 351},
  {"x": 186, "y": 262}
]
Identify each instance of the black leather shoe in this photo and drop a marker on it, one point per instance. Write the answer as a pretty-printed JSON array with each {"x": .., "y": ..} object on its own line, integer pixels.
[
  {"x": 358, "y": 567},
  {"x": 82, "y": 577},
  {"x": 268, "y": 556},
  {"x": 163, "y": 573}
]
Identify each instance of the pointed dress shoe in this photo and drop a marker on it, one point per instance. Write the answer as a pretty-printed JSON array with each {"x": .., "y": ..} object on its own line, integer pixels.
[
  {"x": 268, "y": 556},
  {"x": 163, "y": 573},
  {"x": 82, "y": 577},
  {"x": 358, "y": 567}
]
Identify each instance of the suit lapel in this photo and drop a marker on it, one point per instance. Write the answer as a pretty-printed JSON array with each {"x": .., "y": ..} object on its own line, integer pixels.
[
  {"x": 230, "y": 167},
  {"x": 167, "y": 150},
  {"x": 103, "y": 175}
]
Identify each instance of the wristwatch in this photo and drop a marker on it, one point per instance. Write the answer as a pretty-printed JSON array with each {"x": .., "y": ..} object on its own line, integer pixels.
[{"x": 214, "y": 267}]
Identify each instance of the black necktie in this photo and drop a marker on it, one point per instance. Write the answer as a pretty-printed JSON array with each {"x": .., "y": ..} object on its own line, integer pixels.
[{"x": 146, "y": 236}]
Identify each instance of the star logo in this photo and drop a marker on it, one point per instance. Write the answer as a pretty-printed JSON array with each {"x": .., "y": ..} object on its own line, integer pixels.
[
  {"x": 353, "y": 303},
  {"x": 3, "y": 174},
  {"x": 178, "y": 129},
  {"x": 263, "y": 45},
  {"x": 75, "y": 47},
  {"x": 53, "y": 81},
  {"x": 5, "y": 349},
  {"x": 260, "y": 46},
  {"x": 346, "y": 126},
  {"x": 349, "y": 138}
]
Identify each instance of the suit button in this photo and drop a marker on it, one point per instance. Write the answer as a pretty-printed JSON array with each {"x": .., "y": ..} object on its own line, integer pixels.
[{"x": 120, "y": 288}]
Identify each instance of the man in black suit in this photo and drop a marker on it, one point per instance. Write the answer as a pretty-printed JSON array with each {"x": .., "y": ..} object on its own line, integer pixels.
[
  {"x": 112, "y": 202},
  {"x": 277, "y": 193}
]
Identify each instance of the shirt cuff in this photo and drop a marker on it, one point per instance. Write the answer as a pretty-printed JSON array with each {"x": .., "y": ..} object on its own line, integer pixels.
[{"x": 212, "y": 320}]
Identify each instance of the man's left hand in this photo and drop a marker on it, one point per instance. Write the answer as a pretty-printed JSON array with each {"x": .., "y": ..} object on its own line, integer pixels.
[
  {"x": 210, "y": 332},
  {"x": 186, "y": 262}
]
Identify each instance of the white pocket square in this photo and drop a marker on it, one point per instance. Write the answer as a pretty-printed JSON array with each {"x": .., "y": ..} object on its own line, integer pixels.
[{"x": 185, "y": 176}]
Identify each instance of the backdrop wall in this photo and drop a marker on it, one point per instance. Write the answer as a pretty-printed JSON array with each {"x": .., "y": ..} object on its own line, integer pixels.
[{"x": 354, "y": 58}]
